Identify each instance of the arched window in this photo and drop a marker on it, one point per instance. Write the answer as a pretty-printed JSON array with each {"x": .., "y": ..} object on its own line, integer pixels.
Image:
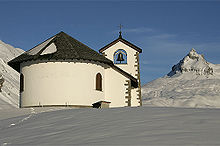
[
  {"x": 120, "y": 57},
  {"x": 21, "y": 82},
  {"x": 99, "y": 82}
]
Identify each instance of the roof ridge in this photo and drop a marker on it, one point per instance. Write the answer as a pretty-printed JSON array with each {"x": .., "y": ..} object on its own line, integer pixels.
[
  {"x": 123, "y": 41},
  {"x": 79, "y": 42},
  {"x": 90, "y": 49},
  {"x": 67, "y": 39}
]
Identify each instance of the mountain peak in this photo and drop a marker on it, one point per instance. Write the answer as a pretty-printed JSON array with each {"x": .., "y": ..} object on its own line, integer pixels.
[
  {"x": 193, "y": 82},
  {"x": 193, "y": 54},
  {"x": 194, "y": 63}
]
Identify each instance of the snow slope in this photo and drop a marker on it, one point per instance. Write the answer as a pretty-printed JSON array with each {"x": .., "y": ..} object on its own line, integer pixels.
[
  {"x": 8, "y": 52},
  {"x": 116, "y": 126},
  {"x": 193, "y": 82},
  {"x": 9, "y": 95}
]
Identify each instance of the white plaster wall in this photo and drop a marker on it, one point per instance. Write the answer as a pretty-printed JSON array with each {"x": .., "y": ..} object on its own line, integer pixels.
[
  {"x": 129, "y": 67},
  {"x": 134, "y": 100},
  {"x": 115, "y": 88},
  {"x": 61, "y": 83}
]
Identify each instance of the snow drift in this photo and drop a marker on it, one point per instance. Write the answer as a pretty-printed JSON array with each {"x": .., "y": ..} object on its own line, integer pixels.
[
  {"x": 116, "y": 126},
  {"x": 193, "y": 82}
]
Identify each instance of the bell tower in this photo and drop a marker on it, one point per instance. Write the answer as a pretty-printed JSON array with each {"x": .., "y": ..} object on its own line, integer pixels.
[{"x": 125, "y": 55}]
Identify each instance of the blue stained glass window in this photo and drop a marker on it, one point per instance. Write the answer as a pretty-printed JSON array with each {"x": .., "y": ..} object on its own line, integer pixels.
[{"x": 120, "y": 57}]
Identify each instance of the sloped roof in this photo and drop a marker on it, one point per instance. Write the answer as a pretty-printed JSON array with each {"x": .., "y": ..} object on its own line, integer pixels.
[
  {"x": 64, "y": 47},
  {"x": 122, "y": 40}
]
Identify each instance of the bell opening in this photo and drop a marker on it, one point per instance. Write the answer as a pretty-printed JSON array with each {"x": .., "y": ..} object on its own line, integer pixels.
[{"x": 120, "y": 57}]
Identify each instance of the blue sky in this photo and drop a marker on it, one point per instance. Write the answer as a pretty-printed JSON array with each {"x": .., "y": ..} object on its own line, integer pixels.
[{"x": 165, "y": 30}]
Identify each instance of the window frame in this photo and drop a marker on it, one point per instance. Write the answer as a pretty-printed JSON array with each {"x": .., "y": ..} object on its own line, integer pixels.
[
  {"x": 123, "y": 52},
  {"x": 98, "y": 82}
]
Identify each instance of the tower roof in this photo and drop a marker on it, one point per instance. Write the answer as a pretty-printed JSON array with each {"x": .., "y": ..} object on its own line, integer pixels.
[{"x": 122, "y": 40}]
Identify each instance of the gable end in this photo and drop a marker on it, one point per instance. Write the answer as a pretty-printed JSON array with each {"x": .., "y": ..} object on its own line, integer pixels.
[{"x": 123, "y": 41}]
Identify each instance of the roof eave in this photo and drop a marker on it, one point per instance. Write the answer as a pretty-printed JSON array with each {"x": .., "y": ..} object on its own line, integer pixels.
[
  {"x": 134, "y": 81},
  {"x": 122, "y": 40},
  {"x": 15, "y": 66}
]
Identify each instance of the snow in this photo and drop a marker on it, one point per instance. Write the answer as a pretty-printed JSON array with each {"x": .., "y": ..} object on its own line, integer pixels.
[
  {"x": 116, "y": 126},
  {"x": 193, "y": 82},
  {"x": 193, "y": 62},
  {"x": 36, "y": 49},
  {"x": 7, "y": 52},
  {"x": 50, "y": 49},
  {"x": 10, "y": 90},
  {"x": 9, "y": 95}
]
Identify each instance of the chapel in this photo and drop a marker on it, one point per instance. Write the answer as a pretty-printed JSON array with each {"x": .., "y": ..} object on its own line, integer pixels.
[{"x": 62, "y": 71}]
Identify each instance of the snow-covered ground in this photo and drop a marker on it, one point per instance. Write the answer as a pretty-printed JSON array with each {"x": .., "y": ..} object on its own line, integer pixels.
[
  {"x": 116, "y": 126},
  {"x": 193, "y": 82},
  {"x": 9, "y": 95}
]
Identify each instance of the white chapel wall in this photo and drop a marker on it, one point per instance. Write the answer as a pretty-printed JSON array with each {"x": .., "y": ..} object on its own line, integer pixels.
[
  {"x": 115, "y": 88},
  {"x": 61, "y": 83},
  {"x": 134, "y": 96},
  {"x": 129, "y": 67}
]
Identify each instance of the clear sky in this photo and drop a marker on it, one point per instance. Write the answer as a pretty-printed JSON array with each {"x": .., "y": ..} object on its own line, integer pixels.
[{"x": 165, "y": 30}]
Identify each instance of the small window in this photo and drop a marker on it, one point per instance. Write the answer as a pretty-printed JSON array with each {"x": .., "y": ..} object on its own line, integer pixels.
[
  {"x": 99, "y": 82},
  {"x": 21, "y": 82},
  {"x": 120, "y": 57}
]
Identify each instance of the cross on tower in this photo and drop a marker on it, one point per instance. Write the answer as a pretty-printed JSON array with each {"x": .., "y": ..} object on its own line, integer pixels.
[{"x": 120, "y": 27}]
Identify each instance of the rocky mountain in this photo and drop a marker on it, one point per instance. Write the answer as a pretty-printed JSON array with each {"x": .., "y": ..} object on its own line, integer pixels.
[
  {"x": 193, "y": 62},
  {"x": 193, "y": 82},
  {"x": 9, "y": 78}
]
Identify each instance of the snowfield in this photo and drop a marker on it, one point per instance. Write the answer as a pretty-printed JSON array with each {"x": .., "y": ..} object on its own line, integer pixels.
[
  {"x": 116, "y": 126},
  {"x": 193, "y": 82}
]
